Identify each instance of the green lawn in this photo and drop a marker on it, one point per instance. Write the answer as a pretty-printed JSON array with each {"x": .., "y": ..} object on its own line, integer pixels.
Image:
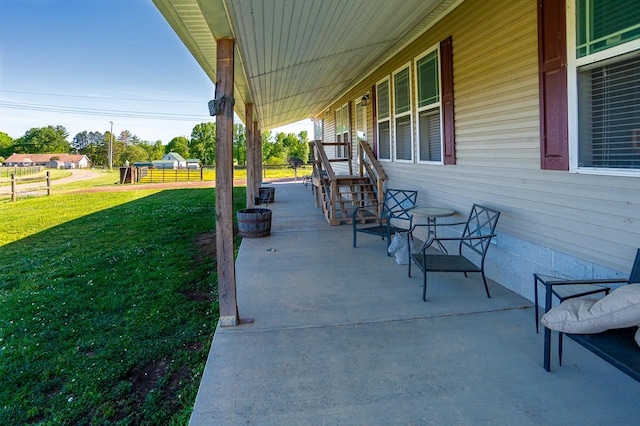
[{"x": 108, "y": 305}]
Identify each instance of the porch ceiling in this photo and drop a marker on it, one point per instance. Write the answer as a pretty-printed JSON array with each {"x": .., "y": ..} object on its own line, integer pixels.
[{"x": 293, "y": 57}]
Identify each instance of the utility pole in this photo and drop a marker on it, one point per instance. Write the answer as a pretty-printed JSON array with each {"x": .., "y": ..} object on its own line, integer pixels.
[{"x": 111, "y": 147}]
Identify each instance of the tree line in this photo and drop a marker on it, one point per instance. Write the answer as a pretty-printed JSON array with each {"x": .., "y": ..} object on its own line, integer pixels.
[{"x": 276, "y": 149}]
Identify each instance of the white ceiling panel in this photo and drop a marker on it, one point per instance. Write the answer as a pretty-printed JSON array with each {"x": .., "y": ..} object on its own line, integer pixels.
[{"x": 294, "y": 56}]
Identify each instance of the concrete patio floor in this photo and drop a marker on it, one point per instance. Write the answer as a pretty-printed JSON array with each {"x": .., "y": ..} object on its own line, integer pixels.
[{"x": 342, "y": 337}]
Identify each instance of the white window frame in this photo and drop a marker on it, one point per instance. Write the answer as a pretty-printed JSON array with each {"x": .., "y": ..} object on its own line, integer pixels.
[
  {"x": 382, "y": 120},
  {"x": 408, "y": 113},
  {"x": 432, "y": 106},
  {"x": 573, "y": 64}
]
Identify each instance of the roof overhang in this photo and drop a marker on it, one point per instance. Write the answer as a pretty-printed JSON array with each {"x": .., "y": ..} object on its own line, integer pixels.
[{"x": 293, "y": 58}]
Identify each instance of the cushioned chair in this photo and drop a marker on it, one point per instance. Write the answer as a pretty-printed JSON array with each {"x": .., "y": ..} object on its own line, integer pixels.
[
  {"x": 475, "y": 241},
  {"x": 394, "y": 212},
  {"x": 565, "y": 290}
]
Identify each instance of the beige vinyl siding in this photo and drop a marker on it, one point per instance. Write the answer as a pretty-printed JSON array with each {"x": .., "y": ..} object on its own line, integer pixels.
[{"x": 495, "y": 56}]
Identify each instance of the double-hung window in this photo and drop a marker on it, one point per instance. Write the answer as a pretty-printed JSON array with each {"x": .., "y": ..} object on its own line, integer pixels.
[
  {"x": 383, "y": 120},
  {"x": 342, "y": 130},
  {"x": 607, "y": 80},
  {"x": 402, "y": 114},
  {"x": 428, "y": 106}
]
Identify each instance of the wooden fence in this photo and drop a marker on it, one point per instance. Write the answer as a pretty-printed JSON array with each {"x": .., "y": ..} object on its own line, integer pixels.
[{"x": 30, "y": 186}]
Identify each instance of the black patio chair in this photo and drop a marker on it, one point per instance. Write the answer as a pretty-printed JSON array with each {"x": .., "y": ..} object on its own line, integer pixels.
[
  {"x": 474, "y": 241},
  {"x": 395, "y": 207},
  {"x": 565, "y": 289}
]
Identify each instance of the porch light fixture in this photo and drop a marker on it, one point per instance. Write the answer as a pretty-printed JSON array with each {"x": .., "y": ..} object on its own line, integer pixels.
[
  {"x": 365, "y": 99},
  {"x": 217, "y": 105}
]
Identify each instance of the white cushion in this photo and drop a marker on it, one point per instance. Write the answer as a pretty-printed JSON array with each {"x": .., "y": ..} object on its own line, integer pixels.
[{"x": 584, "y": 315}]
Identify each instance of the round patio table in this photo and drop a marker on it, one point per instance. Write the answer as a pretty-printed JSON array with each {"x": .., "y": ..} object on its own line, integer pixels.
[{"x": 432, "y": 214}]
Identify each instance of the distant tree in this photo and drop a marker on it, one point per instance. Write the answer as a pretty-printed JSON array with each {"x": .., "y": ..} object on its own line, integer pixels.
[
  {"x": 273, "y": 151},
  {"x": 203, "y": 142},
  {"x": 157, "y": 151},
  {"x": 85, "y": 140},
  {"x": 154, "y": 151},
  {"x": 6, "y": 145},
  {"x": 125, "y": 137},
  {"x": 39, "y": 140},
  {"x": 239, "y": 144},
  {"x": 179, "y": 145},
  {"x": 133, "y": 153},
  {"x": 299, "y": 148}
]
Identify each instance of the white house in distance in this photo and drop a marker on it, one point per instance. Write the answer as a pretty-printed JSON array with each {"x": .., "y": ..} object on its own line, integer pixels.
[
  {"x": 55, "y": 161},
  {"x": 179, "y": 160}
]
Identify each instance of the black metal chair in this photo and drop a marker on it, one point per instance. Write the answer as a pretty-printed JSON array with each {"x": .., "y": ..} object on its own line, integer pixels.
[
  {"x": 395, "y": 207},
  {"x": 564, "y": 289},
  {"x": 475, "y": 240}
]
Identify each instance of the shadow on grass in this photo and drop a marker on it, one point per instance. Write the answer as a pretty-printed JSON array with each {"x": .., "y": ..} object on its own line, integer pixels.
[{"x": 109, "y": 317}]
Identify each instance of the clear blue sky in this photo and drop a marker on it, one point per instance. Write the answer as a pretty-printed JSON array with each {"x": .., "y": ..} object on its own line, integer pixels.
[{"x": 84, "y": 63}]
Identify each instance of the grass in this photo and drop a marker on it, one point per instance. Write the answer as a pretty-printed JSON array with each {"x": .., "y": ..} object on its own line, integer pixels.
[{"x": 108, "y": 305}]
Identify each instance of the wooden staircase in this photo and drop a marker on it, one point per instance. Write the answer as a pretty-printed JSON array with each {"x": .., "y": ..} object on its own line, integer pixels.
[{"x": 339, "y": 195}]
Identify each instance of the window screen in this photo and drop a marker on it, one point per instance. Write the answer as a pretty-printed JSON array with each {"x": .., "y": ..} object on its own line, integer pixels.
[
  {"x": 428, "y": 81},
  {"x": 430, "y": 135},
  {"x": 602, "y": 24},
  {"x": 609, "y": 115},
  {"x": 384, "y": 141}
]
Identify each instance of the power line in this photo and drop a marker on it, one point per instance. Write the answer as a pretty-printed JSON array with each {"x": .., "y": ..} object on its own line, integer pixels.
[
  {"x": 63, "y": 95},
  {"x": 103, "y": 112}
]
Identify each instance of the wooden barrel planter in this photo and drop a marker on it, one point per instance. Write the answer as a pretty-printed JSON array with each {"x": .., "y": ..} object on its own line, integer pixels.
[
  {"x": 266, "y": 194},
  {"x": 254, "y": 223}
]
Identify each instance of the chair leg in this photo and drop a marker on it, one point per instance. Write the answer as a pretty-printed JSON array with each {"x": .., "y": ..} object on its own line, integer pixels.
[
  {"x": 486, "y": 287},
  {"x": 560, "y": 348},
  {"x": 354, "y": 235},
  {"x": 424, "y": 286}
]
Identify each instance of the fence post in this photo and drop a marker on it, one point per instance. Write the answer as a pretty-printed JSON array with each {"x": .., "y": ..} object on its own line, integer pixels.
[
  {"x": 201, "y": 173},
  {"x": 48, "y": 183},
  {"x": 13, "y": 187}
]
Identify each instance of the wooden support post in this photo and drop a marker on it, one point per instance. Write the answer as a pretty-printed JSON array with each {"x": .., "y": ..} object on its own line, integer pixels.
[
  {"x": 13, "y": 187},
  {"x": 257, "y": 134},
  {"x": 251, "y": 163},
  {"x": 48, "y": 184},
  {"x": 224, "y": 187}
]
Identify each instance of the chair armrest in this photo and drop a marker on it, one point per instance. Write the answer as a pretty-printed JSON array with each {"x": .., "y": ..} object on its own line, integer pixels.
[
  {"x": 562, "y": 281},
  {"x": 431, "y": 240},
  {"x": 477, "y": 237},
  {"x": 438, "y": 224},
  {"x": 355, "y": 211}
]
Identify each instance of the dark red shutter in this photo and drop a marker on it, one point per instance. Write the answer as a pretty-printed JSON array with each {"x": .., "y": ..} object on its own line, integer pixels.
[
  {"x": 552, "y": 70},
  {"x": 446, "y": 72}
]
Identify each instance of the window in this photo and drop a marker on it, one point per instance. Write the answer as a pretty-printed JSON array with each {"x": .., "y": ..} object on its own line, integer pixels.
[
  {"x": 402, "y": 114},
  {"x": 603, "y": 24},
  {"x": 342, "y": 130},
  {"x": 384, "y": 118},
  {"x": 317, "y": 129},
  {"x": 428, "y": 107},
  {"x": 607, "y": 75}
]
